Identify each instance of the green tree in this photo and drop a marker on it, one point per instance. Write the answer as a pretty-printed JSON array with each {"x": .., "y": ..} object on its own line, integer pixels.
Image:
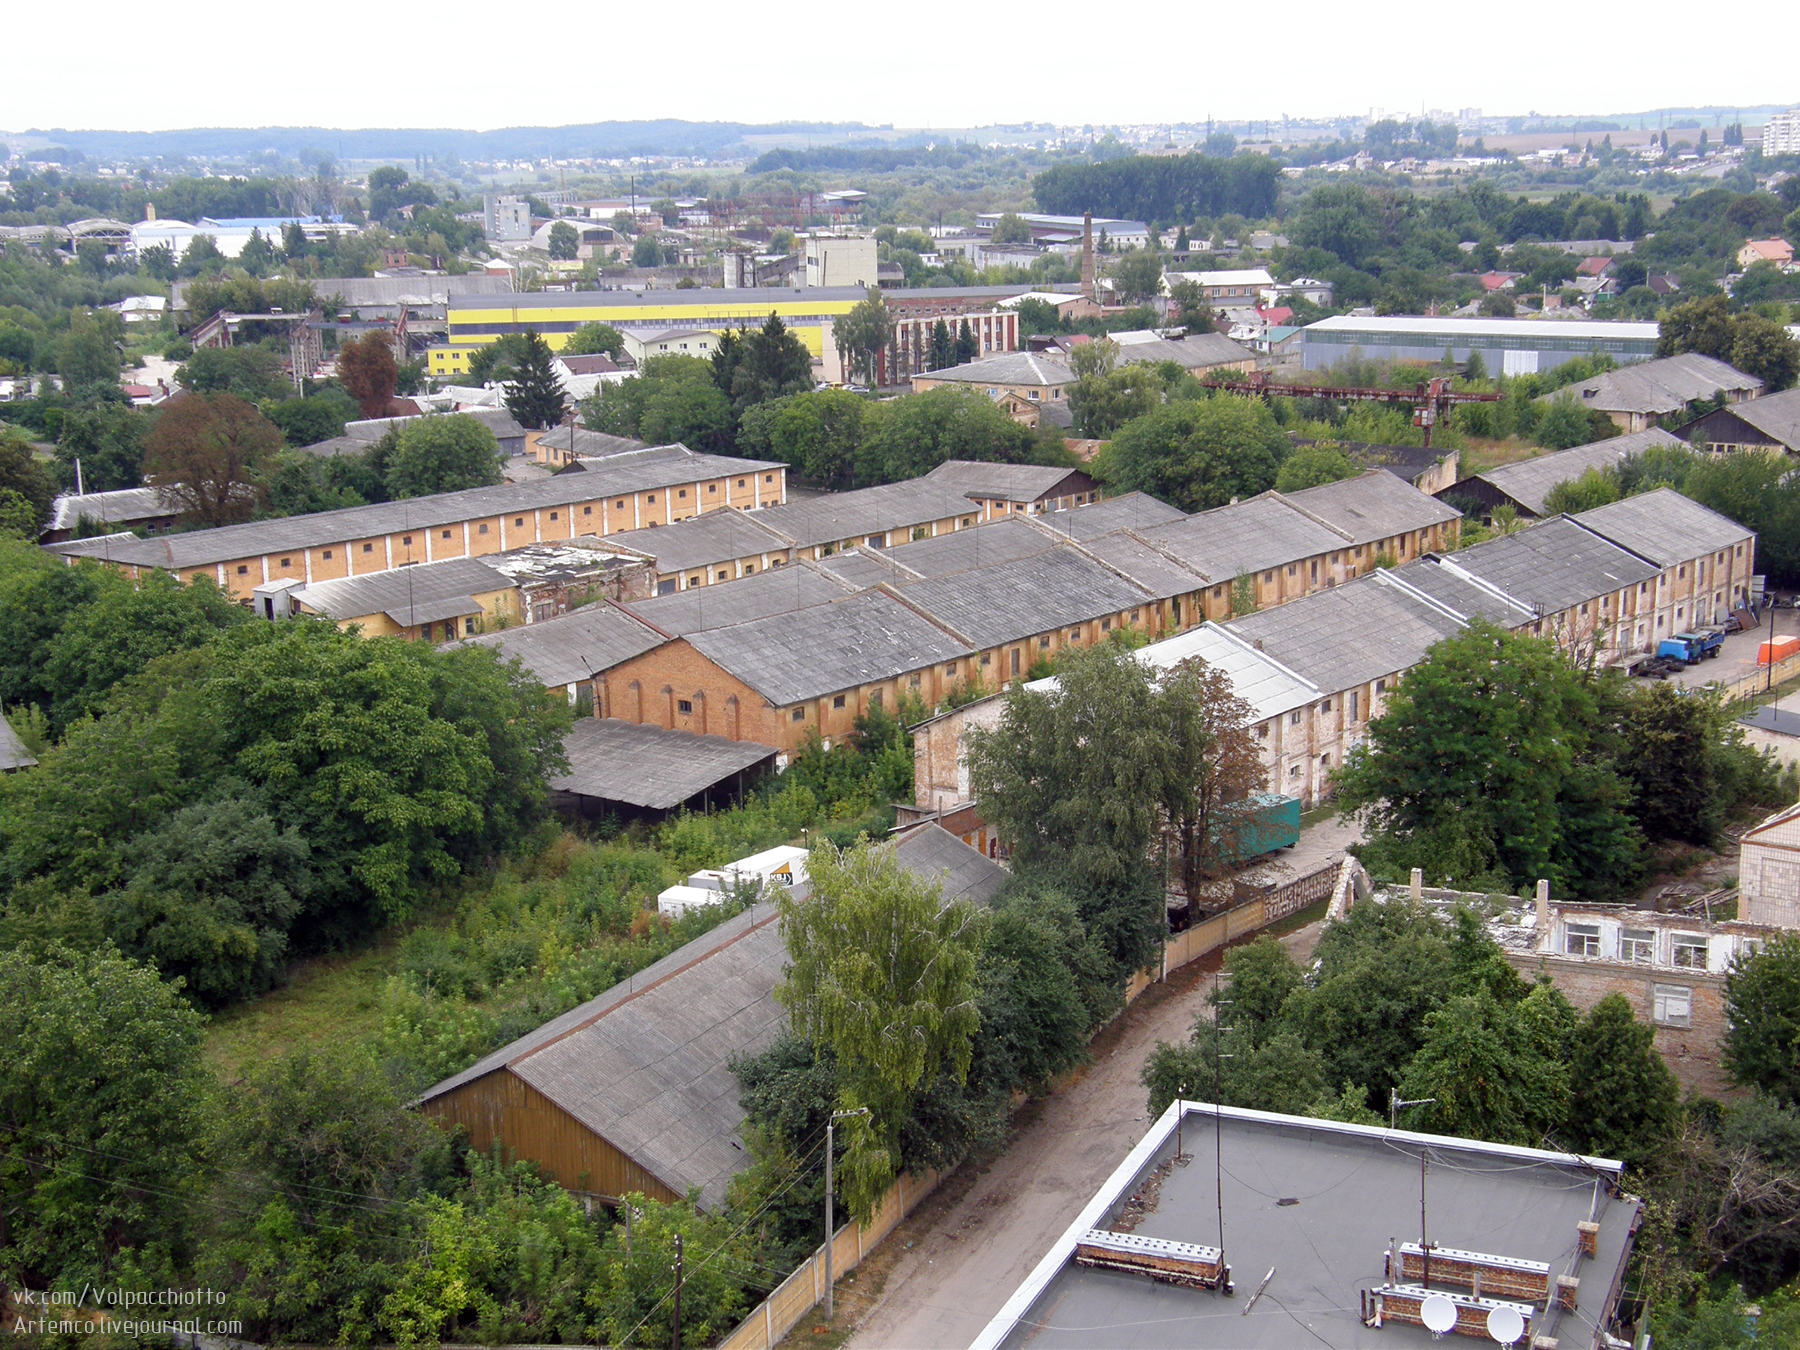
[
  {"x": 1485, "y": 765},
  {"x": 1010, "y": 229},
  {"x": 122, "y": 629},
  {"x": 862, "y": 335},
  {"x": 943, "y": 347},
  {"x": 534, "y": 395},
  {"x": 317, "y": 417},
  {"x": 1762, "y": 1005},
  {"x": 595, "y": 339},
  {"x": 564, "y": 242},
  {"x": 21, "y": 473},
  {"x": 1763, "y": 348},
  {"x": 632, "y": 1296},
  {"x": 967, "y": 348},
  {"x": 88, "y": 354},
  {"x": 646, "y": 252},
  {"x": 18, "y": 517},
  {"x": 820, "y": 434},
  {"x": 442, "y": 454},
  {"x": 211, "y": 454},
  {"x": 1625, "y": 1103},
  {"x": 494, "y": 363},
  {"x": 1197, "y": 454},
  {"x": 1190, "y": 308},
  {"x": 1313, "y": 466},
  {"x": 913, "y": 434},
  {"x": 885, "y": 975},
  {"x": 368, "y": 371},
  {"x": 1700, "y": 325},
  {"x": 257, "y": 257},
  {"x": 1137, "y": 276},
  {"x": 1104, "y": 397},
  {"x": 252, "y": 373},
  {"x": 1487, "y": 1078},
  {"x": 755, "y": 366},
  {"x": 1594, "y": 488},
  {"x": 1563, "y": 425},
  {"x": 101, "y": 1094}
]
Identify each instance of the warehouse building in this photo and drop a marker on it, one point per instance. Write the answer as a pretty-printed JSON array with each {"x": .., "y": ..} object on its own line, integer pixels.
[
  {"x": 658, "y": 486},
  {"x": 1507, "y": 346},
  {"x": 632, "y": 1092},
  {"x": 1654, "y": 393},
  {"x": 1770, "y": 424},
  {"x": 1524, "y": 485}
]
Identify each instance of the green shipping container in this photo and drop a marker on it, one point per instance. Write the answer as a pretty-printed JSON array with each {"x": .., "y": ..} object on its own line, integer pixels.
[{"x": 1257, "y": 825}]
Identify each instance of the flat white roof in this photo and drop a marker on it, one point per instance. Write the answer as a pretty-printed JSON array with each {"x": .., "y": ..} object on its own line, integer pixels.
[
  {"x": 1239, "y": 276},
  {"x": 1580, "y": 328}
]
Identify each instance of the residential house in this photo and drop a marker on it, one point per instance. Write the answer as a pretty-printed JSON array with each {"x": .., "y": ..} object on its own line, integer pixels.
[
  {"x": 1231, "y": 288},
  {"x": 1777, "y": 251},
  {"x": 647, "y": 346}
]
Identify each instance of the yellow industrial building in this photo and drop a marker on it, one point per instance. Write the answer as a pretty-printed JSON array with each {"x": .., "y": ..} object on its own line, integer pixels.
[{"x": 476, "y": 320}]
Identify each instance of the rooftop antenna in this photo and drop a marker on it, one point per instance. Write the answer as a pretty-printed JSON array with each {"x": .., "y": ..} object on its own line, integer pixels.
[
  {"x": 1219, "y": 1058},
  {"x": 1424, "y": 1239}
]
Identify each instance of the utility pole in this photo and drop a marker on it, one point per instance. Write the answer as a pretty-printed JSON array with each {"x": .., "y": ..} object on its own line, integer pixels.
[
  {"x": 675, "y": 1341},
  {"x": 830, "y": 1141}
]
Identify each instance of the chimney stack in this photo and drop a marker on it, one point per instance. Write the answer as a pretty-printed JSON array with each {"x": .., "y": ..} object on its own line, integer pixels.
[
  {"x": 149, "y": 211},
  {"x": 1087, "y": 256},
  {"x": 1543, "y": 912},
  {"x": 1418, "y": 885}
]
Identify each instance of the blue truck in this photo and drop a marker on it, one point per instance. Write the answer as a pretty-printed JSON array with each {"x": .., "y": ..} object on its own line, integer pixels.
[{"x": 1691, "y": 648}]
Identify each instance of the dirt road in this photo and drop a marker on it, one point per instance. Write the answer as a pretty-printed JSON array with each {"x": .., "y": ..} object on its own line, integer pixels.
[{"x": 983, "y": 1232}]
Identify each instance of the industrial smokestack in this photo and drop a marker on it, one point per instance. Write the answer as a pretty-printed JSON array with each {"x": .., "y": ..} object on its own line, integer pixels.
[{"x": 1087, "y": 256}]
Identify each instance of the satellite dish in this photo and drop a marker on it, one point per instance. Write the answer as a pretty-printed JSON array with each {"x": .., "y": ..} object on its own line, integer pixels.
[
  {"x": 1505, "y": 1325},
  {"x": 1437, "y": 1313}
]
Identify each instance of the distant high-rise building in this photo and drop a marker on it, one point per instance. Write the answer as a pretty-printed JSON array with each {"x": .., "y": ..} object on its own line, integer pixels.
[
  {"x": 507, "y": 220},
  {"x": 1781, "y": 133}
]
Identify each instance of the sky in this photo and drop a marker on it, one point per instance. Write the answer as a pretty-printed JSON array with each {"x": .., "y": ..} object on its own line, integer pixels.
[{"x": 338, "y": 64}]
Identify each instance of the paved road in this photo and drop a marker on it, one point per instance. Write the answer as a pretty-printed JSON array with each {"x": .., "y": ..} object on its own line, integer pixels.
[{"x": 969, "y": 1253}]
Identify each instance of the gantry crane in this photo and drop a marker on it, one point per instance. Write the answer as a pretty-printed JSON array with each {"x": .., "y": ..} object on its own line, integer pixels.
[{"x": 1430, "y": 400}]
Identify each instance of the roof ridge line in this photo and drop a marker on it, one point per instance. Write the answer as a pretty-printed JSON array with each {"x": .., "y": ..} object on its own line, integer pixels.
[
  {"x": 1318, "y": 520},
  {"x": 887, "y": 588}
]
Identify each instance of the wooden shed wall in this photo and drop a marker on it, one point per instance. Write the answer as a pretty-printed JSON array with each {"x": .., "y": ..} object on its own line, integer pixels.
[{"x": 501, "y": 1106}]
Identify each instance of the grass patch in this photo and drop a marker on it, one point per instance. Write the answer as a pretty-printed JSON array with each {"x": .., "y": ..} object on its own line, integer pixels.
[{"x": 326, "y": 1000}]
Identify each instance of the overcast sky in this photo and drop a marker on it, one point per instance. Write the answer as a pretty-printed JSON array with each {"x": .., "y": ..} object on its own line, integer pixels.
[{"x": 365, "y": 64}]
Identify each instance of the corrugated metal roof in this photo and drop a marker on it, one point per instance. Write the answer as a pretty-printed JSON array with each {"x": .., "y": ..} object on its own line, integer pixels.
[
  {"x": 659, "y": 467},
  {"x": 862, "y": 567},
  {"x": 13, "y": 754},
  {"x": 1250, "y": 536},
  {"x": 1196, "y": 351},
  {"x": 985, "y": 546},
  {"x": 1777, "y": 416},
  {"x": 697, "y": 300},
  {"x": 409, "y": 595},
  {"x": 575, "y": 647},
  {"x": 1007, "y": 368},
  {"x": 585, "y": 444},
  {"x": 937, "y": 857},
  {"x": 1160, "y": 576},
  {"x": 862, "y": 639},
  {"x": 652, "y": 1075},
  {"x": 780, "y": 590},
  {"x": 1134, "y": 511},
  {"x": 1529, "y": 481},
  {"x": 1553, "y": 565},
  {"x": 111, "y": 508},
  {"x": 1463, "y": 330},
  {"x": 1372, "y": 506},
  {"x": 1665, "y": 526},
  {"x": 1665, "y": 385},
  {"x": 647, "y": 766},
  {"x": 1024, "y": 597},
  {"x": 1255, "y": 677},
  {"x": 1008, "y": 482},
  {"x": 717, "y": 536},
  {"x": 1349, "y": 635},
  {"x": 852, "y": 517}
]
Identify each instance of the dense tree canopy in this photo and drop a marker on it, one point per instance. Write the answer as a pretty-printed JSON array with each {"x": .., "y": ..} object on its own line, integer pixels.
[
  {"x": 211, "y": 453},
  {"x": 1197, "y": 453},
  {"x": 442, "y": 454}
]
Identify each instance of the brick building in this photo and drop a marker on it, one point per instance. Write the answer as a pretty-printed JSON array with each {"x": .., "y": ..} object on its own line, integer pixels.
[
  {"x": 659, "y": 486},
  {"x": 1769, "y": 870}
]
